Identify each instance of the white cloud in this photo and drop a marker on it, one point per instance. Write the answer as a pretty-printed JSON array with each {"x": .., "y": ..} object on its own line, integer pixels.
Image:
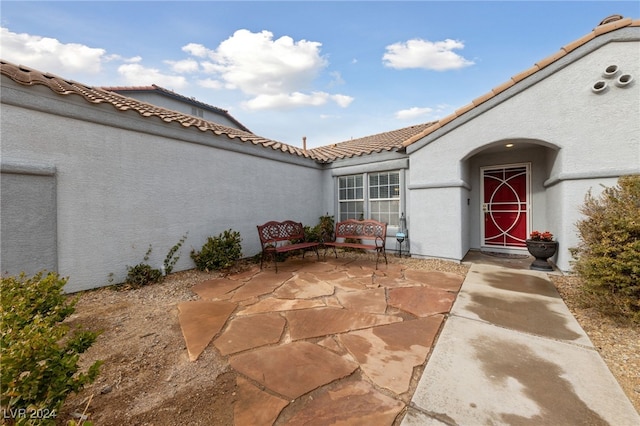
[
  {"x": 271, "y": 73},
  {"x": 417, "y": 53},
  {"x": 115, "y": 57},
  {"x": 196, "y": 49},
  {"x": 48, "y": 54},
  {"x": 137, "y": 75},
  {"x": 209, "y": 83},
  {"x": 424, "y": 113},
  {"x": 414, "y": 112},
  {"x": 336, "y": 78},
  {"x": 257, "y": 64},
  {"x": 342, "y": 100},
  {"x": 295, "y": 99},
  {"x": 184, "y": 66},
  {"x": 275, "y": 73}
]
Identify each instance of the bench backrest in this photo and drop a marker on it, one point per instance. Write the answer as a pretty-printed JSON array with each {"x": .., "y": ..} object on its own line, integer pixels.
[
  {"x": 272, "y": 232},
  {"x": 362, "y": 229}
]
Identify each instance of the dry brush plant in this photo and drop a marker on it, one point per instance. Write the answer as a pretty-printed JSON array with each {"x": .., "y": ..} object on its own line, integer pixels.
[{"x": 608, "y": 256}]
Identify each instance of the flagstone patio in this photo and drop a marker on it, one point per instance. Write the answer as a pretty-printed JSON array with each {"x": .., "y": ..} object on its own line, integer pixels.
[{"x": 322, "y": 341}]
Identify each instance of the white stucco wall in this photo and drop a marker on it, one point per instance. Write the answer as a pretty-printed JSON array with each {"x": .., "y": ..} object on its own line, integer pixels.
[
  {"x": 582, "y": 135},
  {"x": 119, "y": 190}
]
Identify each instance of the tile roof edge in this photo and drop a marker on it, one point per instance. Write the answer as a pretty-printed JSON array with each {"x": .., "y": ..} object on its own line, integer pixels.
[
  {"x": 599, "y": 30},
  {"x": 176, "y": 95},
  {"x": 345, "y": 149},
  {"x": 144, "y": 109}
]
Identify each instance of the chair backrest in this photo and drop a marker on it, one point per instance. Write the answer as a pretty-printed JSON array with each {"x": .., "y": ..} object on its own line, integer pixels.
[
  {"x": 361, "y": 229},
  {"x": 272, "y": 232}
]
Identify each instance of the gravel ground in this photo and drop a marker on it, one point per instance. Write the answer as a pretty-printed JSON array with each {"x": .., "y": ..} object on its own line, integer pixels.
[{"x": 618, "y": 344}]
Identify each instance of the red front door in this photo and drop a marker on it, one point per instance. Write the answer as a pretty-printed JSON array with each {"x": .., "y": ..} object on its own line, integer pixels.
[{"x": 505, "y": 206}]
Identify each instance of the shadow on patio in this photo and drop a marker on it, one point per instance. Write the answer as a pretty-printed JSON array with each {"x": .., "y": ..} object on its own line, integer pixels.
[{"x": 322, "y": 341}]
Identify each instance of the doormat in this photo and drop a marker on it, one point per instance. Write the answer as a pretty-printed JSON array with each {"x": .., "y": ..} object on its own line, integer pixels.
[{"x": 505, "y": 255}]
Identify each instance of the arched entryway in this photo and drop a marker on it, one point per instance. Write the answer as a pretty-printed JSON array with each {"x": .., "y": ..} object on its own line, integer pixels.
[{"x": 507, "y": 197}]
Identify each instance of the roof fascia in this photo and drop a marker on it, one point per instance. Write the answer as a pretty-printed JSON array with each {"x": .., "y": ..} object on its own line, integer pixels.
[
  {"x": 626, "y": 34},
  {"x": 371, "y": 167},
  {"x": 369, "y": 158}
]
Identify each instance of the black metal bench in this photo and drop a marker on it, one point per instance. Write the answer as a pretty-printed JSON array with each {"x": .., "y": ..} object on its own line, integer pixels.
[{"x": 277, "y": 237}]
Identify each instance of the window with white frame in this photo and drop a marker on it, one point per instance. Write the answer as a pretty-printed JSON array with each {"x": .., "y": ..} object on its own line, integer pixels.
[
  {"x": 371, "y": 196},
  {"x": 384, "y": 197},
  {"x": 351, "y": 197}
]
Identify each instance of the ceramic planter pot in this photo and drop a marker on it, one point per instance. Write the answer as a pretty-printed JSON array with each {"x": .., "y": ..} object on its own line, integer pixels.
[{"x": 542, "y": 250}]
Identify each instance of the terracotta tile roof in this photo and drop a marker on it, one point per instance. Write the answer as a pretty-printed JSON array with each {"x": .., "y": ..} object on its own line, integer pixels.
[
  {"x": 387, "y": 141},
  {"x": 171, "y": 94},
  {"x": 30, "y": 77},
  {"x": 609, "y": 24}
]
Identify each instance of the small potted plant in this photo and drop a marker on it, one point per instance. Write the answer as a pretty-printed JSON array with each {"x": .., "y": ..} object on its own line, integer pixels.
[{"x": 541, "y": 246}]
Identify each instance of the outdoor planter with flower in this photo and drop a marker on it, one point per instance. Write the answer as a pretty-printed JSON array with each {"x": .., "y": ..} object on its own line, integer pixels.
[{"x": 542, "y": 247}]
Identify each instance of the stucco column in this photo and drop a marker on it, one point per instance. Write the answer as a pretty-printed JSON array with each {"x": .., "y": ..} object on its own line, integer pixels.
[{"x": 437, "y": 217}]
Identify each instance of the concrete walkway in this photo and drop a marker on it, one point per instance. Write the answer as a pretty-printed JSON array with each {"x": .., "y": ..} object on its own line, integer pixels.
[
  {"x": 338, "y": 342},
  {"x": 511, "y": 353}
]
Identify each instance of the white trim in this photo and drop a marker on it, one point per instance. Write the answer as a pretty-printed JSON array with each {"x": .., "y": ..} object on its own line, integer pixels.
[
  {"x": 375, "y": 167},
  {"x": 603, "y": 174},
  {"x": 23, "y": 167},
  {"x": 459, "y": 183},
  {"x": 528, "y": 209},
  {"x": 367, "y": 200}
]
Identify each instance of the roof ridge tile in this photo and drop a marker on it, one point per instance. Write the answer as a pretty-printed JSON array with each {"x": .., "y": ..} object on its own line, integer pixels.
[{"x": 611, "y": 26}]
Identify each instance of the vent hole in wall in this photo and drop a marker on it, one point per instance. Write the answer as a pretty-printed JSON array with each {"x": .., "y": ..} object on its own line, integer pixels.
[
  {"x": 610, "y": 71},
  {"x": 599, "y": 86},
  {"x": 624, "y": 80}
]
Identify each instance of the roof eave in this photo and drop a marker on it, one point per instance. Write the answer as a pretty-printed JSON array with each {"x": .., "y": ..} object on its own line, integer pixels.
[{"x": 513, "y": 85}]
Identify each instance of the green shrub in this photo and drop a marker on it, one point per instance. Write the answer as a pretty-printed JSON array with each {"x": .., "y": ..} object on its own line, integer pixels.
[
  {"x": 325, "y": 227},
  {"x": 321, "y": 231},
  {"x": 219, "y": 252},
  {"x": 608, "y": 256},
  {"x": 143, "y": 274},
  {"x": 39, "y": 354}
]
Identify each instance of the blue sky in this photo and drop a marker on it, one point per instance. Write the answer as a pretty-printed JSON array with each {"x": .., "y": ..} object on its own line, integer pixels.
[{"x": 330, "y": 71}]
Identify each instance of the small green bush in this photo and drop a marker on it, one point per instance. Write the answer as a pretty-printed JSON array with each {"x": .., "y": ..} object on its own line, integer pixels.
[
  {"x": 143, "y": 274},
  {"x": 39, "y": 355},
  {"x": 219, "y": 252},
  {"x": 608, "y": 256},
  {"x": 321, "y": 231},
  {"x": 325, "y": 228},
  {"x": 172, "y": 257}
]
